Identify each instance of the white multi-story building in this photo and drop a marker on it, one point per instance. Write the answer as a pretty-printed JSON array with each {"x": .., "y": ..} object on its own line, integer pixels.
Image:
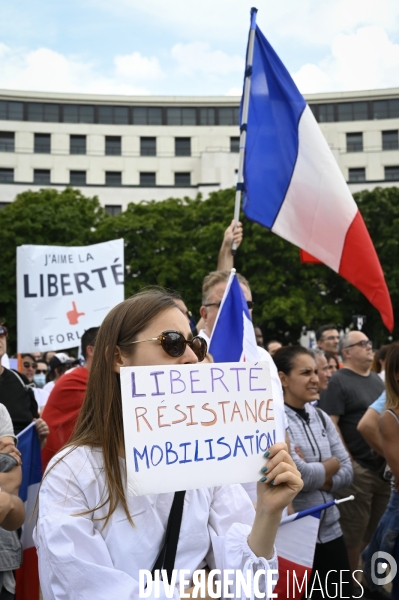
[{"x": 126, "y": 149}]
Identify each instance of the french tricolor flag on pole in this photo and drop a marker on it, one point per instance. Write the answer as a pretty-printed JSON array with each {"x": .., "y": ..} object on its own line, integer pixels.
[
  {"x": 292, "y": 182},
  {"x": 27, "y": 576},
  {"x": 295, "y": 543},
  {"x": 233, "y": 337}
]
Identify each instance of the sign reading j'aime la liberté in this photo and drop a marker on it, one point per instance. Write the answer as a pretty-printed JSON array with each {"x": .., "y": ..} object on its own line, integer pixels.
[
  {"x": 64, "y": 290},
  {"x": 193, "y": 426}
]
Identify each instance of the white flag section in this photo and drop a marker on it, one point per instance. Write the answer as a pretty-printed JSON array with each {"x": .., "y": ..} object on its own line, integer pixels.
[
  {"x": 194, "y": 426},
  {"x": 64, "y": 290}
]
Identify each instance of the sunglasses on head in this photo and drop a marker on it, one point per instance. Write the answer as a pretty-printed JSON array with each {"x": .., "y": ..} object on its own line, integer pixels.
[
  {"x": 3, "y": 330},
  {"x": 250, "y": 304},
  {"x": 174, "y": 344},
  {"x": 29, "y": 365}
]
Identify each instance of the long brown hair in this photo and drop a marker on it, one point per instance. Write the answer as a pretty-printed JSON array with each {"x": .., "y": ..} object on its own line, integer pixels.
[
  {"x": 392, "y": 376},
  {"x": 100, "y": 421}
]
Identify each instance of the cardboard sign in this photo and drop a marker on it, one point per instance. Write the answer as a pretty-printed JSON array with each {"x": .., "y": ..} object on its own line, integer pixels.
[
  {"x": 193, "y": 426},
  {"x": 63, "y": 290}
]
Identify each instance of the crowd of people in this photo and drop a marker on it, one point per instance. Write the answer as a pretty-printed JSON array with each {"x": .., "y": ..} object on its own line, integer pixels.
[{"x": 341, "y": 421}]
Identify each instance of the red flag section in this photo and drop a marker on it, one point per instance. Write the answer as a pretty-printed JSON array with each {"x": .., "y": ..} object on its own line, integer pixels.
[{"x": 361, "y": 267}]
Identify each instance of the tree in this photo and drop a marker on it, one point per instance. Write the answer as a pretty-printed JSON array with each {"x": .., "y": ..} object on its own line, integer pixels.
[
  {"x": 46, "y": 217},
  {"x": 175, "y": 243}
]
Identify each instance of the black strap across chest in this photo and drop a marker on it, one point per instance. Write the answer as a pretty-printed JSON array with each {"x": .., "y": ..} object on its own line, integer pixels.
[{"x": 167, "y": 555}]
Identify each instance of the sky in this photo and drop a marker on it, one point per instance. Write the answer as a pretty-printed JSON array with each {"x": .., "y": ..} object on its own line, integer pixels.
[{"x": 193, "y": 47}]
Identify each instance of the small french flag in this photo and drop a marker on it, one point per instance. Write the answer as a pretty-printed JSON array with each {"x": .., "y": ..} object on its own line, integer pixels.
[
  {"x": 27, "y": 576},
  {"x": 295, "y": 543},
  {"x": 233, "y": 337}
]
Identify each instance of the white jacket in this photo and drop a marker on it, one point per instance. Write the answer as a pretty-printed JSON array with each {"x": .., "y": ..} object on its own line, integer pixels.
[{"x": 80, "y": 560}]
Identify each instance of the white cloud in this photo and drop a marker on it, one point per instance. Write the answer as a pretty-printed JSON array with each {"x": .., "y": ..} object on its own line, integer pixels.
[
  {"x": 137, "y": 66},
  {"x": 46, "y": 70},
  {"x": 312, "y": 22},
  {"x": 197, "y": 57},
  {"x": 234, "y": 91},
  {"x": 311, "y": 79},
  {"x": 366, "y": 59}
]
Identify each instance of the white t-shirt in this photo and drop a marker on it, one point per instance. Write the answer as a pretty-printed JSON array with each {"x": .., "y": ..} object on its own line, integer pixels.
[{"x": 48, "y": 387}]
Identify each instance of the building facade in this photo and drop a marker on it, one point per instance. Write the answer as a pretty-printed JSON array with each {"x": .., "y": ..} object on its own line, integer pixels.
[{"x": 127, "y": 149}]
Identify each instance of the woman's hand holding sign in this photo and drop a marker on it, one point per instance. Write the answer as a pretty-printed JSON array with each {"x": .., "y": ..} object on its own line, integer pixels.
[{"x": 280, "y": 483}]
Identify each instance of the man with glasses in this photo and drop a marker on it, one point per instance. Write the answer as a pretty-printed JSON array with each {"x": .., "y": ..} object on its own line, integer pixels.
[
  {"x": 350, "y": 392},
  {"x": 327, "y": 338}
]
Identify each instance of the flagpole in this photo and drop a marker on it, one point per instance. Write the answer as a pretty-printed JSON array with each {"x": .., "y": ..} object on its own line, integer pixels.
[
  {"x": 244, "y": 119},
  {"x": 314, "y": 509}
]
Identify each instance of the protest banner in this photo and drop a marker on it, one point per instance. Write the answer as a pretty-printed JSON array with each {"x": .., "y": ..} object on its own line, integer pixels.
[
  {"x": 193, "y": 426},
  {"x": 64, "y": 290}
]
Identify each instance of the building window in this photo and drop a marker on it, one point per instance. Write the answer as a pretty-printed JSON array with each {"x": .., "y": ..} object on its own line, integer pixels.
[
  {"x": 386, "y": 109},
  {"x": 392, "y": 173},
  {"x": 41, "y": 176},
  {"x": 147, "y": 116},
  {"x": 113, "y": 209},
  {"x": 147, "y": 179},
  {"x": 113, "y": 178},
  {"x": 326, "y": 113},
  {"x": 38, "y": 111},
  {"x": 352, "y": 111},
  {"x": 390, "y": 140},
  {"x": 234, "y": 144},
  {"x": 181, "y": 116},
  {"x": 11, "y": 111},
  {"x": 182, "y": 179},
  {"x": 6, "y": 141},
  {"x": 113, "y": 145},
  {"x": 116, "y": 115},
  {"x": 77, "y": 144},
  {"x": 77, "y": 177},
  {"x": 148, "y": 146},
  {"x": 78, "y": 113},
  {"x": 182, "y": 146},
  {"x": 358, "y": 174},
  {"x": 229, "y": 116},
  {"x": 42, "y": 143},
  {"x": 354, "y": 142},
  {"x": 207, "y": 116},
  {"x": 6, "y": 175}
]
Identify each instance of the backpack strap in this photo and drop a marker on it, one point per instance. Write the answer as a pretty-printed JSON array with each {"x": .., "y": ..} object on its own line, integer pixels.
[
  {"x": 167, "y": 555},
  {"x": 321, "y": 417},
  {"x": 26, "y": 386}
]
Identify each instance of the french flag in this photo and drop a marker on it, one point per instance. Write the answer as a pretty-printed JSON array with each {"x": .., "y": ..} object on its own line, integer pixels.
[
  {"x": 295, "y": 544},
  {"x": 293, "y": 185},
  {"x": 27, "y": 576},
  {"x": 233, "y": 337}
]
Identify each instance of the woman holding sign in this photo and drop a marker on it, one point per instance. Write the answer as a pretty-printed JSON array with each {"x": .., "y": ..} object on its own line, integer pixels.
[{"x": 95, "y": 541}]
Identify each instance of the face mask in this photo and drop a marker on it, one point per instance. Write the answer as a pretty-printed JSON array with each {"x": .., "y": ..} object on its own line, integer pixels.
[{"x": 40, "y": 380}]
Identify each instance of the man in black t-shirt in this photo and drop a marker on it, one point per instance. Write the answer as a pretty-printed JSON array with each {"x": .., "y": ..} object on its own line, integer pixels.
[
  {"x": 17, "y": 397},
  {"x": 349, "y": 394}
]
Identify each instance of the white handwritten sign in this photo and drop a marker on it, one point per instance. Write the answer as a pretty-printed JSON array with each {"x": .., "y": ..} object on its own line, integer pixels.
[
  {"x": 193, "y": 426},
  {"x": 63, "y": 290}
]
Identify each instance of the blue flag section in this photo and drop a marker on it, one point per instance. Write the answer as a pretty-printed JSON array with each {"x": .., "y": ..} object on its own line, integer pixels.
[
  {"x": 275, "y": 107},
  {"x": 233, "y": 337},
  {"x": 29, "y": 446},
  {"x": 27, "y": 576}
]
